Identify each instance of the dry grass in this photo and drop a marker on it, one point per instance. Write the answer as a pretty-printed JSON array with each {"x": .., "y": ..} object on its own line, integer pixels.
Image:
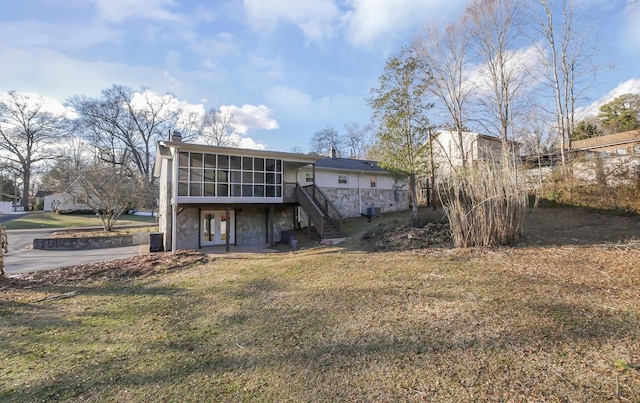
[
  {"x": 544, "y": 323},
  {"x": 485, "y": 205}
]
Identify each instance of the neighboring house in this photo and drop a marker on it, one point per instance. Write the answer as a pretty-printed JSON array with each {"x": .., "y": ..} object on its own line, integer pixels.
[
  {"x": 64, "y": 201},
  {"x": 626, "y": 143},
  {"x": 477, "y": 147},
  {"x": 39, "y": 197},
  {"x": 227, "y": 195}
]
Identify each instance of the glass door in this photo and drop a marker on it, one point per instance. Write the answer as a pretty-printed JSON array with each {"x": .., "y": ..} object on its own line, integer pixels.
[{"x": 214, "y": 229}]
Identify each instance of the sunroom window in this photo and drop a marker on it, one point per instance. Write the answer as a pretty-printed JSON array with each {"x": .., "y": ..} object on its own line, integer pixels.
[{"x": 215, "y": 175}]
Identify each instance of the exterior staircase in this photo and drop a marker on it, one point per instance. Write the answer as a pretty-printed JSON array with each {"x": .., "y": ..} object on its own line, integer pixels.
[{"x": 324, "y": 216}]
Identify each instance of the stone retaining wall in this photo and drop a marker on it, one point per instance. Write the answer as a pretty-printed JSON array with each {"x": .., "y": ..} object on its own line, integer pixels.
[{"x": 97, "y": 242}]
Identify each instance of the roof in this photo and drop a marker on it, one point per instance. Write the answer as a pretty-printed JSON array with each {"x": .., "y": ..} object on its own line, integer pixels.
[
  {"x": 349, "y": 164},
  {"x": 243, "y": 152},
  {"x": 632, "y": 136},
  {"x": 43, "y": 193}
]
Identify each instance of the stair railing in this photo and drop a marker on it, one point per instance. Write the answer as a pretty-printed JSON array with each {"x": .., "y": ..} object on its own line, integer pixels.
[{"x": 326, "y": 206}]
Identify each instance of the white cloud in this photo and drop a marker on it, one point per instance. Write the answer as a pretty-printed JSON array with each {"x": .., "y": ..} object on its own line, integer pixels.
[
  {"x": 45, "y": 104},
  {"x": 248, "y": 142},
  {"x": 250, "y": 117},
  {"x": 315, "y": 18},
  {"x": 631, "y": 86},
  {"x": 370, "y": 21},
  {"x": 122, "y": 10}
]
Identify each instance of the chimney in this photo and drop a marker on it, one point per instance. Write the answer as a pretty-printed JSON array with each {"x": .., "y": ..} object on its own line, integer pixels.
[
  {"x": 332, "y": 152},
  {"x": 176, "y": 137}
]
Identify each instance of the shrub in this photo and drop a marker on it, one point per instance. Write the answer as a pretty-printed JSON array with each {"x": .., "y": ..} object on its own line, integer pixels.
[{"x": 485, "y": 205}]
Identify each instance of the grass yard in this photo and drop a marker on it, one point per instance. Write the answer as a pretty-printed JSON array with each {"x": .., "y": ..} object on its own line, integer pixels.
[
  {"x": 37, "y": 220},
  {"x": 533, "y": 323}
]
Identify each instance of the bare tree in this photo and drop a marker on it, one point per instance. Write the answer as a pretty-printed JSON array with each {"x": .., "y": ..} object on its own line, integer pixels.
[
  {"x": 537, "y": 140},
  {"x": 566, "y": 61},
  {"x": 323, "y": 140},
  {"x": 357, "y": 138},
  {"x": 494, "y": 27},
  {"x": 217, "y": 129},
  {"x": 124, "y": 125},
  {"x": 109, "y": 190},
  {"x": 444, "y": 54},
  {"x": 29, "y": 134}
]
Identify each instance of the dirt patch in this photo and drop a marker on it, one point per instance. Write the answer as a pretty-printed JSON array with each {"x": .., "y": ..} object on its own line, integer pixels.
[
  {"x": 405, "y": 237},
  {"x": 543, "y": 227},
  {"x": 113, "y": 269}
]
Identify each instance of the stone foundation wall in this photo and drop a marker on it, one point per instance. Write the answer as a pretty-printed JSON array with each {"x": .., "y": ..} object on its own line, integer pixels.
[
  {"x": 187, "y": 228},
  {"x": 349, "y": 201},
  {"x": 250, "y": 226}
]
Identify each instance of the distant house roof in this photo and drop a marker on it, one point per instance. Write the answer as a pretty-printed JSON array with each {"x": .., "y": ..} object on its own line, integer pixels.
[
  {"x": 594, "y": 143},
  {"x": 349, "y": 164},
  {"x": 43, "y": 193}
]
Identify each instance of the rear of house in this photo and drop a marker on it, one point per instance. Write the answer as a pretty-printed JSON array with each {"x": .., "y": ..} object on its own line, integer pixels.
[{"x": 235, "y": 196}]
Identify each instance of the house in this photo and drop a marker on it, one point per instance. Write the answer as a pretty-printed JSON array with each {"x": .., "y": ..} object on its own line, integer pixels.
[
  {"x": 226, "y": 195},
  {"x": 39, "y": 198},
  {"x": 477, "y": 147},
  {"x": 617, "y": 144},
  {"x": 356, "y": 186},
  {"x": 64, "y": 201}
]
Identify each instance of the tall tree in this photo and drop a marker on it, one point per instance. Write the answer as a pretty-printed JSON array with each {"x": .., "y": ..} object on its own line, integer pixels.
[
  {"x": 400, "y": 111},
  {"x": 444, "y": 52},
  {"x": 29, "y": 133},
  {"x": 325, "y": 139},
  {"x": 124, "y": 124},
  {"x": 566, "y": 62},
  {"x": 356, "y": 138},
  {"x": 622, "y": 114},
  {"x": 217, "y": 129},
  {"x": 494, "y": 28},
  {"x": 586, "y": 129}
]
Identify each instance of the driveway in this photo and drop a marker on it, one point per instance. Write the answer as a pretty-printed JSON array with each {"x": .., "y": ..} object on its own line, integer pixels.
[{"x": 22, "y": 259}]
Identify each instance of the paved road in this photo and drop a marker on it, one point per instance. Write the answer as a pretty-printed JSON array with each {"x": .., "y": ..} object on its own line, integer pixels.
[{"x": 22, "y": 259}]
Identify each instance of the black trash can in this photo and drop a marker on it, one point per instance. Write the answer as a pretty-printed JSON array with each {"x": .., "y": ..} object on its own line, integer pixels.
[{"x": 156, "y": 242}]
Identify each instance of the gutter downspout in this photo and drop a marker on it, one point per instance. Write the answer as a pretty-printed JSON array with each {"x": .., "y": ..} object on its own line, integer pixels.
[{"x": 174, "y": 203}]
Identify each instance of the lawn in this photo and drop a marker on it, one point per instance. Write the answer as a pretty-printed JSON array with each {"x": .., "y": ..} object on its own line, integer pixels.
[
  {"x": 545, "y": 322},
  {"x": 37, "y": 220}
]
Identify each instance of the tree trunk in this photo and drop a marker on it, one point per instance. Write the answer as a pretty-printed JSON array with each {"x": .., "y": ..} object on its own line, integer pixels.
[
  {"x": 414, "y": 199},
  {"x": 26, "y": 182}
]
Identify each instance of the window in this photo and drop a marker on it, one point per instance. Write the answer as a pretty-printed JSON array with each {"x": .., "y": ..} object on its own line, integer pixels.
[
  {"x": 342, "y": 178},
  {"x": 621, "y": 151},
  {"x": 212, "y": 175},
  {"x": 308, "y": 177},
  {"x": 373, "y": 181}
]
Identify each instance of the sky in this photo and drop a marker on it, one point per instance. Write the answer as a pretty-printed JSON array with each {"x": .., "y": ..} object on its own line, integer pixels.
[{"x": 285, "y": 68}]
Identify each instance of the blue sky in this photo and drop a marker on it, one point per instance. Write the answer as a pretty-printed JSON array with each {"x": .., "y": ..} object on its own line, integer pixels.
[{"x": 287, "y": 68}]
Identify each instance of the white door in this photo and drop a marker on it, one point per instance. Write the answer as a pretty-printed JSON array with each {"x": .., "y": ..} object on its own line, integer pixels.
[{"x": 214, "y": 229}]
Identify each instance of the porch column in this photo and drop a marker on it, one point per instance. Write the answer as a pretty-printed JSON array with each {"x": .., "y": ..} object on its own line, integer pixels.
[
  {"x": 313, "y": 170},
  {"x": 174, "y": 203},
  {"x": 228, "y": 226}
]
